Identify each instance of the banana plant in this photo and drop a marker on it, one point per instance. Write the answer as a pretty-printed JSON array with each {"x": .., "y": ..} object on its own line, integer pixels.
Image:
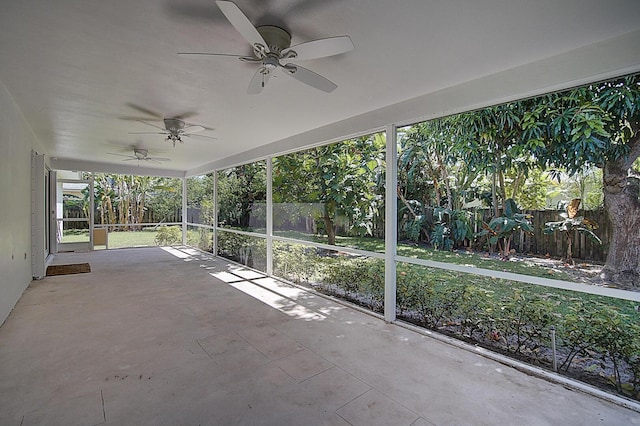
[
  {"x": 501, "y": 229},
  {"x": 570, "y": 224}
]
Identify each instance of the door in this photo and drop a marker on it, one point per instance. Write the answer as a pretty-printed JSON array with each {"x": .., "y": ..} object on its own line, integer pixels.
[{"x": 74, "y": 215}]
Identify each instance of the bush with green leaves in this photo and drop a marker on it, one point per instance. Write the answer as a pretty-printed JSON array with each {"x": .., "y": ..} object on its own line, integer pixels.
[
  {"x": 524, "y": 321},
  {"x": 168, "y": 235},
  {"x": 600, "y": 329},
  {"x": 296, "y": 262},
  {"x": 249, "y": 251},
  {"x": 451, "y": 227},
  {"x": 500, "y": 229},
  {"x": 473, "y": 310},
  {"x": 361, "y": 280}
]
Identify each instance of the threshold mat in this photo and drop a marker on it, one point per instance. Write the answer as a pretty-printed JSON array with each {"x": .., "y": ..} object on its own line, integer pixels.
[{"x": 74, "y": 268}]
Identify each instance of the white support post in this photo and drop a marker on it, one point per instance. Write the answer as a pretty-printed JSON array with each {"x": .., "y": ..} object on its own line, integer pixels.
[
  {"x": 184, "y": 210},
  {"x": 38, "y": 217},
  {"x": 391, "y": 224},
  {"x": 269, "y": 216},
  {"x": 92, "y": 199},
  {"x": 215, "y": 213}
]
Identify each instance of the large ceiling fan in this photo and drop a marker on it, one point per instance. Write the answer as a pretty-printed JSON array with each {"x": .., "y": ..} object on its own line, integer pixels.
[
  {"x": 272, "y": 49},
  {"x": 141, "y": 154},
  {"x": 174, "y": 128}
]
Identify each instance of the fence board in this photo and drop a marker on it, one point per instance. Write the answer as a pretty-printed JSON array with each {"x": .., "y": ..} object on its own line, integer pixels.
[{"x": 555, "y": 245}]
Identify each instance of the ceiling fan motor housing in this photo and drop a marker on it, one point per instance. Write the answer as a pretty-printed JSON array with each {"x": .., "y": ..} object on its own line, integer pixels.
[
  {"x": 173, "y": 124},
  {"x": 140, "y": 153},
  {"x": 277, "y": 39}
]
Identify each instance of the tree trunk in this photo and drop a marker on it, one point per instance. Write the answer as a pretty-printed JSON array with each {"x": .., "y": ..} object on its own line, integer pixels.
[
  {"x": 621, "y": 191},
  {"x": 570, "y": 248},
  {"x": 330, "y": 229},
  {"x": 331, "y": 232},
  {"x": 494, "y": 195}
]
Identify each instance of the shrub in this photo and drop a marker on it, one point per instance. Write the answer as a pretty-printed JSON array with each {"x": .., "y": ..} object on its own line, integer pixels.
[
  {"x": 523, "y": 320},
  {"x": 296, "y": 262},
  {"x": 168, "y": 235},
  {"x": 472, "y": 312}
]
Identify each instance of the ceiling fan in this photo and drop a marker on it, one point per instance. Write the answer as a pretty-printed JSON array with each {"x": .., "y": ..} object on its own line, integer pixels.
[
  {"x": 272, "y": 49},
  {"x": 174, "y": 127},
  {"x": 141, "y": 154}
]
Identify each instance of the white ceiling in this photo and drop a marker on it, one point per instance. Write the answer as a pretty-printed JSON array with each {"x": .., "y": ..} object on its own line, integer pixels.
[{"x": 77, "y": 67}]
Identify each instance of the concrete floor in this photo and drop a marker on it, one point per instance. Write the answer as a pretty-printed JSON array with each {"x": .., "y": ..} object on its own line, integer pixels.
[{"x": 173, "y": 337}]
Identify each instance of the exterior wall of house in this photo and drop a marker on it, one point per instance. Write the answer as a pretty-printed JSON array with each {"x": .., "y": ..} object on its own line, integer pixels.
[{"x": 16, "y": 142}]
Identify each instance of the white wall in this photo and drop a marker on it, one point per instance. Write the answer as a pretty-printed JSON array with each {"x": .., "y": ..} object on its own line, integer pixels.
[{"x": 16, "y": 142}]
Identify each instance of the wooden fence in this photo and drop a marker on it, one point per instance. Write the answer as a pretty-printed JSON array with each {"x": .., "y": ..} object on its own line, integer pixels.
[{"x": 555, "y": 245}]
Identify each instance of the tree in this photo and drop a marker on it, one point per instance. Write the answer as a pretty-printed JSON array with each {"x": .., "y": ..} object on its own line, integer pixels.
[
  {"x": 598, "y": 125},
  {"x": 240, "y": 191},
  {"x": 124, "y": 199},
  {"x": 343, "y": 177},
  {"x": 492, "y": 141}
]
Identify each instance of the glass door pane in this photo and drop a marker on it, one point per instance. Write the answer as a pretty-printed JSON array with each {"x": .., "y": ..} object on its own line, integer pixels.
[{"x": 73, "y": 215}]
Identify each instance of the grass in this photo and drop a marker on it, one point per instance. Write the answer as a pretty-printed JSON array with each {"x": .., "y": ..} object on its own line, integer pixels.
[
  {"x": 117, "y": 239},
  {"x": 420, "y": 252}
]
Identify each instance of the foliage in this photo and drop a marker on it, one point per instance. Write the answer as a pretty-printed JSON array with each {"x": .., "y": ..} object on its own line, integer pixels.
[
  {"x": 601, "y": 329},
  {"x": 571, "y": 224},
  {"x": 242, "y": 196},
  {"x": 501, "y": 229},
  {"x": 200, "y": 237},
  {"x": 249, "y": 251},
  {"x": 345, "y": 178},
  {"x": 359, "y": 279},
  {"x": 200, "y": 199},
  {"x": 125, "y": 199},
  {"x": 451, "y": 227},
  {"x": 525, "y": 320},
  {"x": 168, "y": 235},
  {"x": 295, "y": 262}
]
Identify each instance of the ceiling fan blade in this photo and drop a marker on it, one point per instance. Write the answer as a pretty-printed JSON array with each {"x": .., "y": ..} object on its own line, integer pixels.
[
  {"x": 241, "y": 23},
  {"x": 199, "y": 136},
  {"x": 258, "y": 81},
  {"x": 157, "y": 159},
  {"x": 131, "y": 118},
  {"x": 321, "y": 48},
  {"x": 147, "y": 133},
  {"x": 310, "y": 78},
  {"x": 193, "y": 129},
  {"x": 151, "y": 124},
  {"x": 145, "y": 110},
  {"x": 203, "y": 54},
  {"x": 184, "y": 115},
  {"x": 119, "y": 155}
]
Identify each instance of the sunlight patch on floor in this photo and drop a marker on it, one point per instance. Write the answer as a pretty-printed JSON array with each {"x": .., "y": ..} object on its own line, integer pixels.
[{"x": 284, "y": 305}]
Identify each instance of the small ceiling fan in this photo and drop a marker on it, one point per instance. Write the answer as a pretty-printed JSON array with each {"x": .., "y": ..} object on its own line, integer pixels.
[
  {"x": 141, "y": 154},
  {"x": 272, "y": 46},
  {"x": 174, "y": 127}
]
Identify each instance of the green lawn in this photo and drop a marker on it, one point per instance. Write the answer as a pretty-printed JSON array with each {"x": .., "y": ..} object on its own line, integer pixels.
[
  {"x": 421, "y": 252},
  {"x": 117, "y": 239}
]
